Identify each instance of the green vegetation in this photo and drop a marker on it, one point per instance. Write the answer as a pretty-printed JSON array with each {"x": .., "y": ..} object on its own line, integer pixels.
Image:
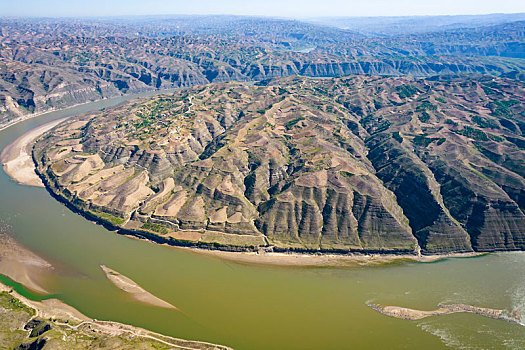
[
  {"x": 518, "y": 142},
  {"x": 473, "y": 133},
  {"x": 115, "y": 220},
  {"x": 485, "y": 122},
  {"x": 292, "y": 122},
  {"x": 502, "y": 108},
  {"x": 397, "y": 136},
  {"x": 155, "y": 227},
  {"x": 450, "y": 122},
  {"x": 377, "y": 104},
  {"x": 19, "y": 330},
  {"x": 41, "y": 328},
  {"x": 10, "y": 302},
  {"x": 426, "y": 106},
  {"x": 424, "y": 117},
  {"x": 489, "y": 154},
  {"x": 490, "y": 87},
  {"x": 423, "y": 140},
  {"x": 271, "y": 126},
  {"x": 405, "y": 91},
  {"x": 488, "y": 90}
]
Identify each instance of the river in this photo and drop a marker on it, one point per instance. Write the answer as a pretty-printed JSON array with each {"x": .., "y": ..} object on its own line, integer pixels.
[{"x": 255, "y": 306}]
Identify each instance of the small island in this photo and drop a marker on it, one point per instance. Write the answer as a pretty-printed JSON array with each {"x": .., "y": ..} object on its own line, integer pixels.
[{"x": 446, "y": 309}]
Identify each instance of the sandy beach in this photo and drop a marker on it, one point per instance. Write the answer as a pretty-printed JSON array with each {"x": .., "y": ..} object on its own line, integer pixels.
[
  {"x": 16, "y": 157},
  {"x": 24, "y": 267},
  {"x": 129, "y": 286},
  {"x": 322, "y": 260}
]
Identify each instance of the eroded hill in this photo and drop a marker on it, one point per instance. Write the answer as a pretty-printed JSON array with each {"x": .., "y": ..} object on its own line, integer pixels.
[
  {"x": 341, "y": 164},
  {"x": 50, "y": 64}
]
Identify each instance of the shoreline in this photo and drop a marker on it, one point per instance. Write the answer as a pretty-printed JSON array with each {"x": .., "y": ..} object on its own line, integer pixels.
[
  {"x": 22, "y": 265},
  {"x": 16, "y": 157},
  {"x": 62, "y": 315},
  {"x": 25, "y": 117},
  {"x": 25, "y": 266},
  {"x": 266, "y": 255},
  {"x": 252, "y": 254},
  {"x": 293, "y": 259}
]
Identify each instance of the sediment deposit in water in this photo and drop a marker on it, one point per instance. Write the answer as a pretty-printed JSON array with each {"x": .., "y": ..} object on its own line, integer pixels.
[
  {"x": 129, "y": 286},
  {"x": 446, "y": 309}
]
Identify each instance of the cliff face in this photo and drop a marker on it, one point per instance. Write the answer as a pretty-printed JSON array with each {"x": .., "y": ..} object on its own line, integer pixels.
[{"x": 348, "y": 164}]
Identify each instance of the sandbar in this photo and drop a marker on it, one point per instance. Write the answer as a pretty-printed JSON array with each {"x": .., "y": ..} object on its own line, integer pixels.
[
  {"x": 22, "y": 265},
  {"x": 129, "y": 286},
  {"x": 446, "y": 309},
  {"x": 17, "y": 160}
]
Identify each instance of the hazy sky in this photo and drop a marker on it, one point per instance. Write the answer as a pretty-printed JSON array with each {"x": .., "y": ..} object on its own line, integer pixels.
[{"x": 281, "y": 8}]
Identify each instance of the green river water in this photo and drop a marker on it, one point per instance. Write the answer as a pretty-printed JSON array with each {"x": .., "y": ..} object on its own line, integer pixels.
[{"x": 254, "y": 306}]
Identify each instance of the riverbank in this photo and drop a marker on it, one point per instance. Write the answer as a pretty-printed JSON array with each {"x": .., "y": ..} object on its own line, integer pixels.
[
  {"x": 34, "y": 115},
  {"x": 17, "y": 159},
  {"x": 21, "y": 167},
  {"x": 324, "y": 260},
  {"x": 22, "y": 265},
  {"x": 26, "y": 268},
  {"x": 67, "y": 328},
  {"x": 135, "y": 94}
]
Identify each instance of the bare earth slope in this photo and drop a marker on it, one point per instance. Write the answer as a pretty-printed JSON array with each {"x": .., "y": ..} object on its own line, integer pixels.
[{"x": 364, "y": 164}]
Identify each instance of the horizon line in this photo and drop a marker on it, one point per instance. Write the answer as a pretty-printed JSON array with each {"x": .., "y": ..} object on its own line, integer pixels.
[{"x": 254, "y": 15}]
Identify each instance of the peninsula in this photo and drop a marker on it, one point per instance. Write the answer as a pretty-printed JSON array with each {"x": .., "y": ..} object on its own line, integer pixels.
[{"x": 358, "y": 164}]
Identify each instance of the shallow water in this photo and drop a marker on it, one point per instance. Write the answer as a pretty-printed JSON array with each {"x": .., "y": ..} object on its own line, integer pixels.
[{"x": 253, "y": 306}]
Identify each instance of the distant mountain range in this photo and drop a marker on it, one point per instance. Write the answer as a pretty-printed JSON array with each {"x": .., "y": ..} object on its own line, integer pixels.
[
  {"x": 48, "y": 63},
  {"x": 389, "y": 26}
]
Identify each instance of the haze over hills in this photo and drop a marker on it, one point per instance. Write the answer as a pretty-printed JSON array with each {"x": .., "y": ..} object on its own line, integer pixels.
[
  {"x": 388, "y": 26},
  {"x": 55, "y": 63}
]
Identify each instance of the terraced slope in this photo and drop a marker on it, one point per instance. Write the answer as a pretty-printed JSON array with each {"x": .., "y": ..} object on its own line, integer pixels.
[{"x": 343, "y": 164}]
